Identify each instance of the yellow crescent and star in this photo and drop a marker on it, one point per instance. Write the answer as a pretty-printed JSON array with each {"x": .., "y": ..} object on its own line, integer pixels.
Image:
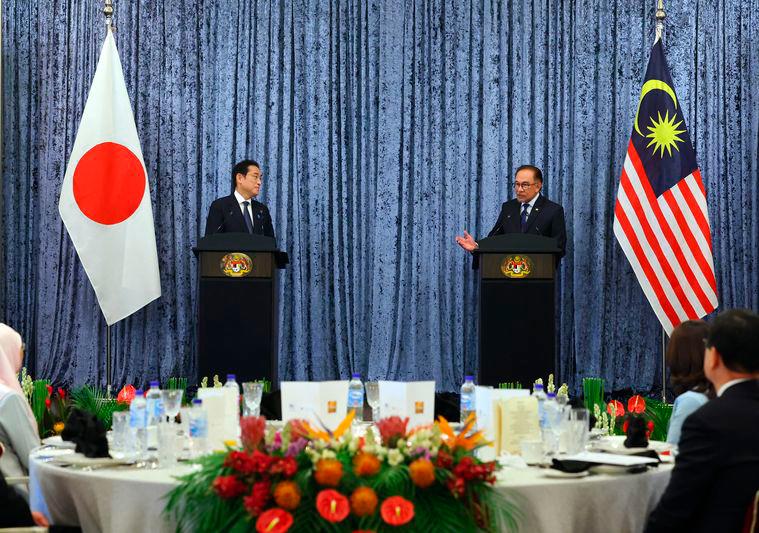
[{"x": 664, "y": 133}]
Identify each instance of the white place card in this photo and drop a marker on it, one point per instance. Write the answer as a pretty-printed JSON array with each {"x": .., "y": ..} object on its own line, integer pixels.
[
  {"x": 414, "y": 399},
  {"x": 611, "y": 459},
  {"x": 222, "y": 409},
  {"x": 322, "y": 403}
]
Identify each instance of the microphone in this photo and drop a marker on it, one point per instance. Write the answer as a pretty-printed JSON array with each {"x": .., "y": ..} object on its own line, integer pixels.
[
  {"x": 496, "y": 230},
  {"x": 222, "y": 221}
]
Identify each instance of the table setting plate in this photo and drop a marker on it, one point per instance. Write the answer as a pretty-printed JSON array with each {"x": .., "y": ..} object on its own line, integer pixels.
[
  {"x": 558, "y": 474},
  {"x": 615, "y": 444},
  {"x": 57, "y": 442}
]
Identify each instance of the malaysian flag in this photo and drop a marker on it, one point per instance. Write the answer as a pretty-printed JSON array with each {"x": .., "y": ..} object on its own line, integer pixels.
[{"x": 660, "y": 217}]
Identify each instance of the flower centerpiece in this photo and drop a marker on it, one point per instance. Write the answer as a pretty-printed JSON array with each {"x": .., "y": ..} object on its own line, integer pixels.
[{"x": 302, "y": 478}]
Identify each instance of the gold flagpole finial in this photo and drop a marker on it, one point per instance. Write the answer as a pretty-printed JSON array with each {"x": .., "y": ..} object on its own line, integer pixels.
[
  {"x": 660, "y": 16},
  {"x": 108, "y": 12}
]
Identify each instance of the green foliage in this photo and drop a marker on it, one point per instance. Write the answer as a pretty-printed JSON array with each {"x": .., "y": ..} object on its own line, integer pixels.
[
  {"x": 593, "y": 393},
  {"x": 659, "y": 413},
  {"x": 95, "y": 401},
  {"x": 39, "y": 395},
  {"x": 510, "y": 385}
]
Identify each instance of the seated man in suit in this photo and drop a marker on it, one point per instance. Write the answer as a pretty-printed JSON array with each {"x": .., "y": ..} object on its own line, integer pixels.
[
  {"x": 239, "y": 212},
  {"x": 716, "y": 473},
  {"x": 530, "y": 212}
]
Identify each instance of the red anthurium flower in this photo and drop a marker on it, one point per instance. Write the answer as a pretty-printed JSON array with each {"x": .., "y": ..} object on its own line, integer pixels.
[
  {"x": 397, "y": 511},
  {"x": 332, "y": 505},
  {"x": 274, "y": 521},
  {"x": 650, "y": 430},
  {"x": 47, "y": 403},
  {"x": 624, "y": 427},
  {"x": 49, "y": 390},
  {"x": 636, "y": 404},
  {"x": 126, "y": 394},
  {"x": 61, "y": 393},
  {"x": 618, "y": 405}
]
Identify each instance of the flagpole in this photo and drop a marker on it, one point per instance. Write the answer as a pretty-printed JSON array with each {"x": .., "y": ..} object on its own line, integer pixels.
[
  {"x": 108, "y": 13},
  {"x": 660, "y": 16}
]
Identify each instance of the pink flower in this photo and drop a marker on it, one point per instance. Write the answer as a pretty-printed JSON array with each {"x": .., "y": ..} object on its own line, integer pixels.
[{"x": 391, "y": 429}]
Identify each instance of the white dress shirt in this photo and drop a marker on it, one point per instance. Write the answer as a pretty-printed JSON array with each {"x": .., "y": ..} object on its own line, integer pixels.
[
  {"x": 729, "y": 384},
  {"x": 529, "y": 204},
  {"x": 240, "y": 200}
]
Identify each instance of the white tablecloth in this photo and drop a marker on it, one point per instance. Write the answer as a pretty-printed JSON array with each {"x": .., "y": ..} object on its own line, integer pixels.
[
  {"x": 597, "y": 503},
  {"x": 127, "y": 500}
]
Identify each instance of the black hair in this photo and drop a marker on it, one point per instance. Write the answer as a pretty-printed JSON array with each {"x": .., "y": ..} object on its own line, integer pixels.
[
  {"x": 242, "y": 168},
  {"x": 537, "y": 173},
  {"x": 735, "y": 336}
]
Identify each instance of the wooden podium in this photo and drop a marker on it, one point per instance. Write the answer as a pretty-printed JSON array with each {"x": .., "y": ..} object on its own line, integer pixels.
[
  {"x": 517, "y": 308},
  {"x": 237, "y": 306}
]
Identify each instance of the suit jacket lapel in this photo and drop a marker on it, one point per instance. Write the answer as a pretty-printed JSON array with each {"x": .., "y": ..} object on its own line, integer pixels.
[{"x": 535, "y": 212}]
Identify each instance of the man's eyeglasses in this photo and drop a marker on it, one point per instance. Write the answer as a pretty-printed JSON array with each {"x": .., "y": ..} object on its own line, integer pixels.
[{"x": 523, "y": 185}]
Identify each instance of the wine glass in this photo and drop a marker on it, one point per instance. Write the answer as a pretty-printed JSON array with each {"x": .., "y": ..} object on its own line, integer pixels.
[
  {"x": 372, "y": 397},
  {"x": 172, "y": 401},
  {"x": 251, "y": 393}
]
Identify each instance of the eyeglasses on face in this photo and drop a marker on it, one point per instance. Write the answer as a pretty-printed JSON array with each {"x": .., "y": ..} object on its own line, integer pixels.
[{"x": 523, "y": 185}]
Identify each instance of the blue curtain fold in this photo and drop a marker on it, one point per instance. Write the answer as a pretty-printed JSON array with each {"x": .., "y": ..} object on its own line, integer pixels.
[{"x": 384, "y": 128}]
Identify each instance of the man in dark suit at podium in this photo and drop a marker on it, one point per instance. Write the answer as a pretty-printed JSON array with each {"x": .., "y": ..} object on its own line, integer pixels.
[
  {"x": 239, "y": 212},
  {"x": 530, "y": 212}
]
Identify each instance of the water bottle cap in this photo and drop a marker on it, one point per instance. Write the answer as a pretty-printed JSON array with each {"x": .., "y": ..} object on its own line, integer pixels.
[
  {"x": 230, "y": 376},
  {"x": 154, "y": 384},
  {"x": 539, "y": 386},
  {"x": 197, "y": 401},
  {"x": 356, "y": 375},
  {"x": 138, "y": 392},
  {"x": 551, "y": 394},
  {"x": 468, "y": 378}
]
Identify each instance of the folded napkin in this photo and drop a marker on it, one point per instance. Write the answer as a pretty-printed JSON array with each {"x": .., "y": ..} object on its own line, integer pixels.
[
  {"x": 87, "y": 432},
  {"x": 636, "y": 432},
  {"x": 571, "y": 466}
]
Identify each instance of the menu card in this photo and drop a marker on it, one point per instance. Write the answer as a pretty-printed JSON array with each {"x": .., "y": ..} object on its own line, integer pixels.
[
  {"x": 414, "y": 399},
  {"x": 322, "y": 403},
  {"x": 222, "y": 408},
  {"x": 517, "y": 420},
  {"x": 487, "y": 404}
]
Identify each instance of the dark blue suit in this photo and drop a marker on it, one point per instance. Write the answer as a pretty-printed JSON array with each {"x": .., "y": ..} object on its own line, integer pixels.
[
  {"x": 546, "y": 218},
  {"x": 225, "y": 216}
]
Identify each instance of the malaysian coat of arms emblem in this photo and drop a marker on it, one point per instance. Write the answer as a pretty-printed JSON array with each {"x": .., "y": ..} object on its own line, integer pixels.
[
  {"x": 236, "y": 265},
  {"x": 516, "y": 266}
]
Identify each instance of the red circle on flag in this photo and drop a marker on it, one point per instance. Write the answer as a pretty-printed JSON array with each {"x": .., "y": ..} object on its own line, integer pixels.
[{"x": 109, "y": 183}]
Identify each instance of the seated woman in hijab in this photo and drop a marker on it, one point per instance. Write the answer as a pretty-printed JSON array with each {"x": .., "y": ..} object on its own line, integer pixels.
[
  {"x": 18, "y": 428},
  {"x": 685, "y": 359}
]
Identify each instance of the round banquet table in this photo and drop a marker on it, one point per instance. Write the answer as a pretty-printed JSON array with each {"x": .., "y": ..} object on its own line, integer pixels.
[{"x": 122, "y": 499}]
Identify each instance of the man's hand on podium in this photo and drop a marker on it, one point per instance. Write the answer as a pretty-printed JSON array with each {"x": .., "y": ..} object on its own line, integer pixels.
[{"x": 467, "y": 242}]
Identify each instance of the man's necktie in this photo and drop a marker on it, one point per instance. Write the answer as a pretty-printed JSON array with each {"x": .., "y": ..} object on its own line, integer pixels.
[
  {"x": 524, "y": 217},
  {"x": 246, "y": 216}
]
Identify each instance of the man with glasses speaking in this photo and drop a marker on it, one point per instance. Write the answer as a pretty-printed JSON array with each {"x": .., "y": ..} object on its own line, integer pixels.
[
  {"x": 530, "y": 212},
  {"x": 239, "y": 212}
]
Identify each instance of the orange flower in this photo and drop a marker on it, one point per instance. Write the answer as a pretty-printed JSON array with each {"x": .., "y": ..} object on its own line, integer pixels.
[
  {"x": 422, "y": 473},
  {"x": 328, "y": 472},
  {"x": 287, "y": 495},
  {"x": 366, "y": 464},
  {"x": 397, "y": 511},
  {"x": 332, "y": 505},
  {"x": 58, "y": 427},
  {"x": 363, "y": 501},
  {"x": 463, "y": 439}
]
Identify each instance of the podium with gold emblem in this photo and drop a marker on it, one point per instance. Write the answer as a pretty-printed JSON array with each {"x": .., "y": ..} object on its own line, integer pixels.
[
  {"x": 517, "y": 321},
  {"x": 237, "y": 306}
]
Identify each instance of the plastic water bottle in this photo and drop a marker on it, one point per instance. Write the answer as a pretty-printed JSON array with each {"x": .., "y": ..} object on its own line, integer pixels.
[
  {"x": 356, "y": 396},
  {"x": 231, "y": 383},
  {"x": 198, "y": 428},
  {"x": 551, "y": 423},
  {"x": 466, "y": 404},
  {"x": 154, "y": 404},
  {"x": 537, "y": 392},
  {"x": 138, "y": 425}
]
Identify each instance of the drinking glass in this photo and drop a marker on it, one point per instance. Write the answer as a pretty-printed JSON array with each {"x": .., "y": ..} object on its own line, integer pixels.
[
  {"x": 251, "y": 393},
  {"x": 120, "y": 431},
  {"x": 577, "y": 430},
  {"x": 372, "y": 397},
  {"x": 167, "y": 444},
  {"x": 172, "y": 401}
]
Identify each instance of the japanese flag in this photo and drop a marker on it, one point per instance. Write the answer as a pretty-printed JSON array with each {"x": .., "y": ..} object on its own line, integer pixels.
[{"x": 105, "y": 198}]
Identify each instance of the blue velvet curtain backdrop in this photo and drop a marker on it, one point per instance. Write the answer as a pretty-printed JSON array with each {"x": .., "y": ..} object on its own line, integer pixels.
[{"x": 384, "y": 129}]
